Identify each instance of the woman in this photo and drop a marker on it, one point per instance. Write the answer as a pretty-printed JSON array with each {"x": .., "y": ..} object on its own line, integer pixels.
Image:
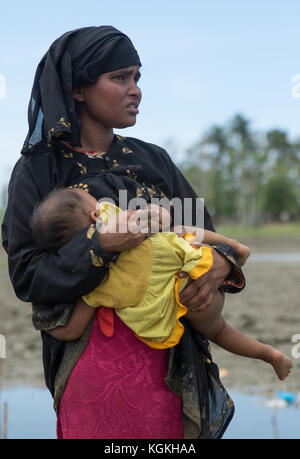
[{"x": 84, "y": 87}]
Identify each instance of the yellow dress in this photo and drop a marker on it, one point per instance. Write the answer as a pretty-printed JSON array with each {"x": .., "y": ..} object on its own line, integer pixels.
[{"x": 143, "y": 286}]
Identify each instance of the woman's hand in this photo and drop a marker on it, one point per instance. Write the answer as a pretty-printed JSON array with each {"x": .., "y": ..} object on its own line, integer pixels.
[
  {"x": 128, "y": 229},
  {"x": 199, "y": 293}
]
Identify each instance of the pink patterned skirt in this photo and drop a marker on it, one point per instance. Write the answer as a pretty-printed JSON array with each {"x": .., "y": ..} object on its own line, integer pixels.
[{"x": 117, "y": 390}]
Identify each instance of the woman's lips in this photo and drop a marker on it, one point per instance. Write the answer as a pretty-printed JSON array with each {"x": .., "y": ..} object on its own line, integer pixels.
[{"x": 133, "y": 109}]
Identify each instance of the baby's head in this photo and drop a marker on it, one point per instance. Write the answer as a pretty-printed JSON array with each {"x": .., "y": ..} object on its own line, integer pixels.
[{"x": 60, "y": 214}]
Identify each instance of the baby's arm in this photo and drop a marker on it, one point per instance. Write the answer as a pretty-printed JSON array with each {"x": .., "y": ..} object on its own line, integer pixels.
[
  {"x": 80, "y": 317},
  {"x": 211, "y": 238},
  {"x": 242, "y": 250}
]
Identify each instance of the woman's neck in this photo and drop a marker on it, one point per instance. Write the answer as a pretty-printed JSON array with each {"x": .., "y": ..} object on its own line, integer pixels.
[{"x": 95, "y": 137}]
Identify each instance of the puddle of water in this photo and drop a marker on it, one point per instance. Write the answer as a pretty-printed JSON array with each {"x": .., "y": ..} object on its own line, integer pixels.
[
  {"x": 275, "y": 257},
  {"x": 31, "y": 416},
  {"x": 253, "y": 420}
]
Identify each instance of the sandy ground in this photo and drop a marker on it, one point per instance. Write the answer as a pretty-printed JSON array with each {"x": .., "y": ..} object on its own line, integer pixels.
[
  {"x": 268, "y": 310},
  {"x": 23, "y": 361}
]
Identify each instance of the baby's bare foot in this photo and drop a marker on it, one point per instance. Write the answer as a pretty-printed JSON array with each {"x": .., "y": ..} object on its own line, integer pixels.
[{"x": 281, "y": 364}]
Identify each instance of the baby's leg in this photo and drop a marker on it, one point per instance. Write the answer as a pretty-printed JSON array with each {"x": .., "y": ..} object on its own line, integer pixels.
[{"x": 211, "y": 323}]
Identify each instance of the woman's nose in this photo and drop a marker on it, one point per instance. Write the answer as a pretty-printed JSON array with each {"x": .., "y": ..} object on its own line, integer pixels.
[{"x": 134, "y": 90}]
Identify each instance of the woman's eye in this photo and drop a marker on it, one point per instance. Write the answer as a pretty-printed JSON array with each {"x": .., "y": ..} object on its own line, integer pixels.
[
  {"x": 119, "y": 77},
  {"x": 124, "y": 76},
  {"x": 137, "y": 77}
]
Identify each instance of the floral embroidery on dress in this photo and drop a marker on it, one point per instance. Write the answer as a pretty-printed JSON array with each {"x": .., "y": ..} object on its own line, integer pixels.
[
  {"x": 67, "y": 154},
  {"x": 83, "y": 169},
  {"x": 64, "y": 122},
  {"x": 126, "y": 150},
  {"x": 91, "y": 230},
  {"x": 152, "y": 191},
  {"x": 132, "y": 175},
  {"x": 82, "y": 186},
  {"x": 140, "y": 192},
  {"x": 50, "y": 131},
  {"x": 96, "y": 154},
  {"x": 96, "y": 260}
]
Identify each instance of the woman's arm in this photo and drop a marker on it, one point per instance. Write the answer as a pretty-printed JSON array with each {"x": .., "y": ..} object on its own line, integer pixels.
[
  {"x": 39, "y": 276},
  {"x": 80, "y": 317},
  {"x": 75, "y": 269}
]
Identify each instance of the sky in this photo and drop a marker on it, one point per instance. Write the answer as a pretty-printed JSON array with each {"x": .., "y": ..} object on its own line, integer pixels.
[{"x": 202, "y": 62}]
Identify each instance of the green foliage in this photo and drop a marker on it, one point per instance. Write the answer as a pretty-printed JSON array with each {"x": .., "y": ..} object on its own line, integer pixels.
[
  {"x": 3, "y": 200},
  {"x": 279, "y": 197},
  {"x": 245, "y": 176}
]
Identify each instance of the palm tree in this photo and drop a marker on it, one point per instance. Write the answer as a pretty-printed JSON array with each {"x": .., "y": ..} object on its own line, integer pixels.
[
  {"x": 282, "y": 185},
  {"x": 249, "y": 159}
]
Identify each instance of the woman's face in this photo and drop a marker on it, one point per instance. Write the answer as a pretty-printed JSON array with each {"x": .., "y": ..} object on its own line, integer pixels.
[{"x": 113, "y": 100}]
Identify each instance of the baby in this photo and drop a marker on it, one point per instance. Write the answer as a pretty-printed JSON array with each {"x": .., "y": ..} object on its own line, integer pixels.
[{"x": 143, "y": 285}]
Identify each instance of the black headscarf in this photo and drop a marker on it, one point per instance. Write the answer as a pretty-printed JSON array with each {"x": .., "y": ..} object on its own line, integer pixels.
[{"x": 75, "y": 59}]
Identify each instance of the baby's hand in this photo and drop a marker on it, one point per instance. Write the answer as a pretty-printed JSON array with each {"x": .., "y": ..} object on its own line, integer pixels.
[
  {"x": 242, "y": 251},
  {"x": 191, "y": 234},
  {"x": 159, "y": 218}
]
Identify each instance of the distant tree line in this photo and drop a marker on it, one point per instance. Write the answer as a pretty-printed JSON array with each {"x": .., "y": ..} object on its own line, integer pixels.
[
  {"x": 3, "y": 199},
  {"x": 244, "y": 176}
]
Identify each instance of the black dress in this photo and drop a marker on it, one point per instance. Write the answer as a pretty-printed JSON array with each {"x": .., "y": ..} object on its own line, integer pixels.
[{"x": 53, "y": 281}]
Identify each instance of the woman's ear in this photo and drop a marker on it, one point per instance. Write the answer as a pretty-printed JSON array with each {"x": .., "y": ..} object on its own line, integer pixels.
[{"x": 78, "y": 94}]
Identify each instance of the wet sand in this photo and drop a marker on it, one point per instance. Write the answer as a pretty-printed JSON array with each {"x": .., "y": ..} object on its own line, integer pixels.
[
  {"x": 268, "y": 310},
  {"x": 23, "y": 362}
]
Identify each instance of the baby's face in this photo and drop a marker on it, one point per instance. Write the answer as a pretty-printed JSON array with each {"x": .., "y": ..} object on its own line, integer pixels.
[{"x": 89, "y": 204}]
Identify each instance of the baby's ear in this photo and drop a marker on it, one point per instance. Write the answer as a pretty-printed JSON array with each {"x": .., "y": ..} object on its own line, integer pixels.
[{"x": 94, "y": 215}]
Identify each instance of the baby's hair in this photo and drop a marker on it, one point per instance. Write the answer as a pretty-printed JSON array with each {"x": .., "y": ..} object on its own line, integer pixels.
[{"x": 56, "y": 218}]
